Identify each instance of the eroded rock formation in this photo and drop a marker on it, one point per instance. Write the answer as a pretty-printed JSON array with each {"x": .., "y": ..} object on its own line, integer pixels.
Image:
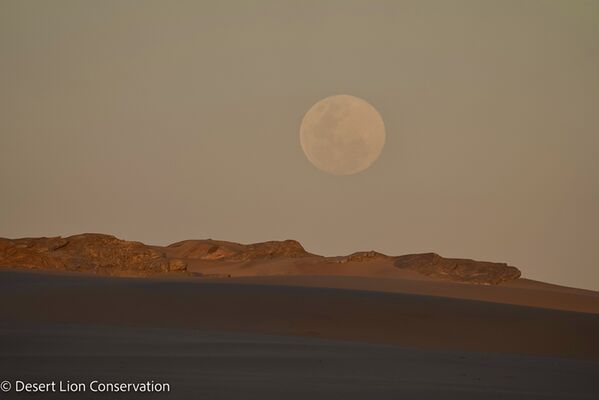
[
  {"x": 108, "y": 255},
  {"x": 103, "y": 254},
  {"x": 362, "y": 256},
  {"x": 457, "y": 269},
  {"x": 229, "y": 251}
]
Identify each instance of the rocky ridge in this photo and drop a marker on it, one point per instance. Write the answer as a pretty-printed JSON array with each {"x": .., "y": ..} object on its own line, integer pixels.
[
  {"x": 97, "y": 253},
  {"x": 458, "y": 269},
  {"x": 229, "y": 251},
  {"x": 108, "y": 255}
]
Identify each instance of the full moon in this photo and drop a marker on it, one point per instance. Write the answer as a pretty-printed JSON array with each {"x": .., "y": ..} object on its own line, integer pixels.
[{"x": 342, "y": 134}]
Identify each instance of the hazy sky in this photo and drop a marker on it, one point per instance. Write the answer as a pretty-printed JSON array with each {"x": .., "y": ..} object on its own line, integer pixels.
[{"x": 167, "y": 120}]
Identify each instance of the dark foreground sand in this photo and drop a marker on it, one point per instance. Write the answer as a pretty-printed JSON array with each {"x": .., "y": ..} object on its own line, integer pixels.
[
  {"x": 212, "y": 365},
  {"x": 244, "y": 341}
]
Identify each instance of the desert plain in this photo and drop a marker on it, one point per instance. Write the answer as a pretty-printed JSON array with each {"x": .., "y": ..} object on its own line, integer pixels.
[{"x": 223, "y": 320}]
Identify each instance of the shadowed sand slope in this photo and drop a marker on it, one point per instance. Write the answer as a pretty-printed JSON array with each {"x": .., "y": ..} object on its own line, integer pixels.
[
  {"x": 222, "y": 365},
  {"x": 373, "y": 317},
  {"x": 520, "y": 292}
]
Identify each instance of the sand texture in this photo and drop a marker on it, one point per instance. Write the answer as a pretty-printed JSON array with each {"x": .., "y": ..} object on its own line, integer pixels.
[{"x": 229, "y": 340}]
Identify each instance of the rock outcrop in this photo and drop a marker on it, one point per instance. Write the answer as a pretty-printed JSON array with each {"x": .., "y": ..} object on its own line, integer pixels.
[
  {"x": 457, "y": 269},
  {"x": 363, "y": 256},
  {"x": 97, "y": 253},
  {"x": 108, "y": 255},
  {"x": 229, "y": 251},
  {"x": 273, "y": 249}
]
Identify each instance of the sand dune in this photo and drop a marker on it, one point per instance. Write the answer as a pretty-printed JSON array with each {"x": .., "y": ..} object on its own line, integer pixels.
[
  {"x": 374, "y": 317},
  {"x": 293, "y": 337},
  {"x": 521, "y": 292},
  {"x": 218, "y": 319},
  {"x": 223, "y": 365}
]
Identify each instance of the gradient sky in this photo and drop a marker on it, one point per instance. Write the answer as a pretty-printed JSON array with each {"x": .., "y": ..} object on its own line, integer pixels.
[{"x": 166, "y": 120}]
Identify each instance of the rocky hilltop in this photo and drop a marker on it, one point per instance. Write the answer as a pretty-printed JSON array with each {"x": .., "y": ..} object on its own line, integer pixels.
[
  {"x": 108, "y": 255},
  {"x": 102, "y": 254},
  {"x": 457, "y": 269},
  {"x": 229, "y": 251}
]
